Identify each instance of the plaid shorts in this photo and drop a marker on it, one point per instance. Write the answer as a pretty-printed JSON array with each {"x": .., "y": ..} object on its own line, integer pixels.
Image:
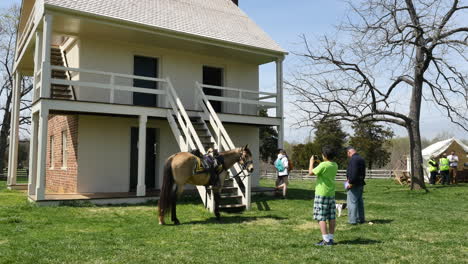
[{"x": 324, "y": 208}]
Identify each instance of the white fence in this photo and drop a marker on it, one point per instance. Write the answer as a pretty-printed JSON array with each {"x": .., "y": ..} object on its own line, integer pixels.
[{"x": 340, "y": 176}]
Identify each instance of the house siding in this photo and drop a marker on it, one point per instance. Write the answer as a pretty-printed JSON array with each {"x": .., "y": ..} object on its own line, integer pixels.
[
  {"x": 59, "y": 179},
  {"x": 183, "y": 68}
]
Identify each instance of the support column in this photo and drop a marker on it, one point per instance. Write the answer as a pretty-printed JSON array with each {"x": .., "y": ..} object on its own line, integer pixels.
[
  {"x": 141, "y": 187},
  {"x": 41, "y": 154},
  {"x": 33, "y": 154},
  {"x": 37, "y": 63},
  {"x": 46, "y": 46},
  {"x": 14, "y": 130},
  {"x": 279, "y": 100}
]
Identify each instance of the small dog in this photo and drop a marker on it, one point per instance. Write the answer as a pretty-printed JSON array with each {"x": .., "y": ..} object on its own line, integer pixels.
[{"x": 340, "y": 207}]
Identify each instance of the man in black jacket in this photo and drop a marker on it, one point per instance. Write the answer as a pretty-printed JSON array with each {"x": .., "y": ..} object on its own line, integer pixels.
[{"x": 355, "y": 175}]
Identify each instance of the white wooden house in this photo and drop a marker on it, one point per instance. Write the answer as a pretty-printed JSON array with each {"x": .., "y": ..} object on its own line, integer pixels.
[{"x": 121, "y": 85}]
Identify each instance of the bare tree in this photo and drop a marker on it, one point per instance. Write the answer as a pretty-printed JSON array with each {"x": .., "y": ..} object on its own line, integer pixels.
[
  {"x": 391, "y": 55},
  {"x": 9, "y": 19}
]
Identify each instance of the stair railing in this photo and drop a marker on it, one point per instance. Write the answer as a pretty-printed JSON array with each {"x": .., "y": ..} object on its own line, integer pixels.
[
  {"x": 191, "y": 141},
  {"x": 223, "y": 140}
]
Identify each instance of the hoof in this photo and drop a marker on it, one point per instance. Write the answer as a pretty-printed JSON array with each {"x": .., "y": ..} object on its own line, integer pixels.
[
  {"x": 161, "y": 223},
  {"x": 176, "y": 222}
]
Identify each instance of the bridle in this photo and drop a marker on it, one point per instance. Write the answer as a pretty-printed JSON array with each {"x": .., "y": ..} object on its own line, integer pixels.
[{"x": 244, "y": 165}]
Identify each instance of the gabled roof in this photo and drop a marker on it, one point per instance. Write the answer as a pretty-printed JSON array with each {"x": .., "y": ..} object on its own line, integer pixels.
[
  {"x": 214, "y": 19},
  {"x": 440, "y": 147}
]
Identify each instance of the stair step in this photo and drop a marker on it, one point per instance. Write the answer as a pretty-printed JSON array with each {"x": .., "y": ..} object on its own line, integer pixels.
[
  {"x": 230, "y": 196},
  {"x": 59, "y": 86},
  {"x": 65, "y": 97},
  {"x": 232, "y": 208}
]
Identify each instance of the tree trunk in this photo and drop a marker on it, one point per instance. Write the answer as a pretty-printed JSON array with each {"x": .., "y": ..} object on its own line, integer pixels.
[
  {"x": 417, "y": 175},
  {"x": 4, "y": 132}
]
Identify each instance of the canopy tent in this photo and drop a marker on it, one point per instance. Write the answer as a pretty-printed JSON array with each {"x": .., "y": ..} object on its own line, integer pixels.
[{"x": 446, "y": 146}]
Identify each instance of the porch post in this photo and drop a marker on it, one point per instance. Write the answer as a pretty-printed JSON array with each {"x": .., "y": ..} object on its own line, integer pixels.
[
  {"x": 14, "y": 126},
  {"x": 46, "y": 46},
  {"x": 42, "y": 153},
  {"x": 279, "y": 100},
  {"x": 33, "y": 154},
  {"x": 141, "y": 187},
  {"x": 37, "y": 63}
]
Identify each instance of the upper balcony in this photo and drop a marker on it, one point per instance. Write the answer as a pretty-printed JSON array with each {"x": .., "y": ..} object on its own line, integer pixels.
[{"x": 76, "y": 57}]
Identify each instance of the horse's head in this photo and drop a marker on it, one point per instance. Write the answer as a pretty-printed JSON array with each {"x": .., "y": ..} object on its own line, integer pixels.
[{"x": 246, "y": 159}]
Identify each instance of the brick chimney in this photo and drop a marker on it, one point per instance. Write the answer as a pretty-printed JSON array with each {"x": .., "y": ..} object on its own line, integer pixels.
[{"x": 236, "y": 2}]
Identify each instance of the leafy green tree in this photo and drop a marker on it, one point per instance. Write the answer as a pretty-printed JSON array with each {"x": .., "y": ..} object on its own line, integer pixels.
[
  {"x": 302, "y": 152},
  {"x": 330, "y": 133},
  {"x": 372, "y": 141},
  {"x": 268, "y": 141}
]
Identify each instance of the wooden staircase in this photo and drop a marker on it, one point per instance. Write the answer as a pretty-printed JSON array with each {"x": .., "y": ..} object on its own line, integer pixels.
[
  {"x": 192, "y": 132},
  {"x": 63, "y": 92},
  {"x": 231, "y": 199}
]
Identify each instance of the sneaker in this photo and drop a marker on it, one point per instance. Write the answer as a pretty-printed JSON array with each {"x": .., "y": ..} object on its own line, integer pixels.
[{"x": 325, "y": 243}]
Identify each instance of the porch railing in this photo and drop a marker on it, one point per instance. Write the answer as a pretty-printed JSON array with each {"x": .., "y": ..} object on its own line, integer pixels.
[
  {"x": 109, "y": 82},
  {"x": 241, "y": 98}
]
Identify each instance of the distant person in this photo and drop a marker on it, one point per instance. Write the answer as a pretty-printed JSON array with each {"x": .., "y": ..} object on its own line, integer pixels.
[
  {"x": 324, "y": 201},
  {"x": 453, "y": 163},
  {"x": 444, "y": 167},
  {"x": 282, "y": 167},
  {"x": 432, "y": 163},
  {"x": 355, "y": 175}
]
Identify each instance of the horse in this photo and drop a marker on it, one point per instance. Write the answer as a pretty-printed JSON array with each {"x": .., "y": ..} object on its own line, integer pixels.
[{"x": 179, "y": 169}]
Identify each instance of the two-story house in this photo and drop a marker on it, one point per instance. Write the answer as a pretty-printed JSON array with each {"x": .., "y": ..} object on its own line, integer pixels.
[{"x": 119, "y": 86}]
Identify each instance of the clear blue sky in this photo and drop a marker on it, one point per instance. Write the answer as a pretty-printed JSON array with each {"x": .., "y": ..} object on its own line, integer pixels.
[{"x": 284, "y": 21}]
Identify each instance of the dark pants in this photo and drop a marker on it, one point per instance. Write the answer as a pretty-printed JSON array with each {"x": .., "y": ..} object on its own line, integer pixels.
[
  {"x": 432, "y": 180},
  {"x": 355, "y": 205},
  {"x": 445, "y": 177}
]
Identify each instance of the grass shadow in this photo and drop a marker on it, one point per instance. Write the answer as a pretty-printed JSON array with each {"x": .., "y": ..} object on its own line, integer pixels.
[
  {"x": 238, "y": 219},
  {"x": 359, "y": 241},
  {"x": 381, "y": 221},
  {"x": 263, "y": 206}
]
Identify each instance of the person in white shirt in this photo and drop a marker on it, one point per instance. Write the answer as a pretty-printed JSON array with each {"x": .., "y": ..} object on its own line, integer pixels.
[
  {"x": 282, "y": 180},
  {"x": 453, "y": 163}
]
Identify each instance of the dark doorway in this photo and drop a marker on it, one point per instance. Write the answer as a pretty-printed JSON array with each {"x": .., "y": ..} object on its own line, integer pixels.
[
  {"x": 147, "y": 67},
  {"x": 213, "y": 76},
  {"x": 151, "y": 150}
]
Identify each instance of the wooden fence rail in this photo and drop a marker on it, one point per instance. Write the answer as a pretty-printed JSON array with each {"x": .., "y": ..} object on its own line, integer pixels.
[{"x": 340, "y": 176}]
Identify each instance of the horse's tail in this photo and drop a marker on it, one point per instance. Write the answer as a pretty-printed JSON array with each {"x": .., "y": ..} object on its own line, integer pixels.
[{"x": 165, "y": 198}]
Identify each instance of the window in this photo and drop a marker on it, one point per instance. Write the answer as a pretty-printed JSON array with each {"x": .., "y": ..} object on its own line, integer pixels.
[
  {"x": 64, "y": 149},
  {"x": 51, "y": 152}
]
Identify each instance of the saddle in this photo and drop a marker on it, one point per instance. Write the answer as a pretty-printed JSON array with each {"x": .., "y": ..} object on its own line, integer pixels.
[{"x": 211, "y": 163}]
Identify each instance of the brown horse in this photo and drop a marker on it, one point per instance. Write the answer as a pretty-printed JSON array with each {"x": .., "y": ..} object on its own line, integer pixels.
[{"x": 180, "y": 170}]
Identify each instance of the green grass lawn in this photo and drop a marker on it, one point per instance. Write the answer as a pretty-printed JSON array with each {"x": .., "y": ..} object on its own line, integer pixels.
[{"x": 409, "y": 227}]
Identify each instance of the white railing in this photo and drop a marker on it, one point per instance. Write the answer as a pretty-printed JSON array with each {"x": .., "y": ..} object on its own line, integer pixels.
[
  {"x": 241, "y": 98},
  {"x": 110, "y": 84},
  {"x": 24, "y": 35},
  {"x": 188, "y": 139},
  {"x": 223, "y": 141}
]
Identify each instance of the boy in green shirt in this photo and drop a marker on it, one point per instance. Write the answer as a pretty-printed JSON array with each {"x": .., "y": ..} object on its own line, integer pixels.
[{"x": 324, "y": 201}]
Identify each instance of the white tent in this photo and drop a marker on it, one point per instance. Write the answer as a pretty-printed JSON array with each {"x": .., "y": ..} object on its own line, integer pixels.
[{"x": 445, "y": 146}]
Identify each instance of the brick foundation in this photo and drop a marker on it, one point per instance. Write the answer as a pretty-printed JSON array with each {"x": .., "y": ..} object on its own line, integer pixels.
[{"x": 62, "y": 179}]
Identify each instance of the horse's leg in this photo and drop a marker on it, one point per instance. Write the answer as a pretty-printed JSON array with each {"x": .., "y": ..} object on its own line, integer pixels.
[
  {"x": 217, "y": 197},
  {"x": 175, "y": 195}
]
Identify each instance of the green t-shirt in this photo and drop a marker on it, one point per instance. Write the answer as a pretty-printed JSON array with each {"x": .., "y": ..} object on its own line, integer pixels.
[{"x": 326, "y": 173}]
